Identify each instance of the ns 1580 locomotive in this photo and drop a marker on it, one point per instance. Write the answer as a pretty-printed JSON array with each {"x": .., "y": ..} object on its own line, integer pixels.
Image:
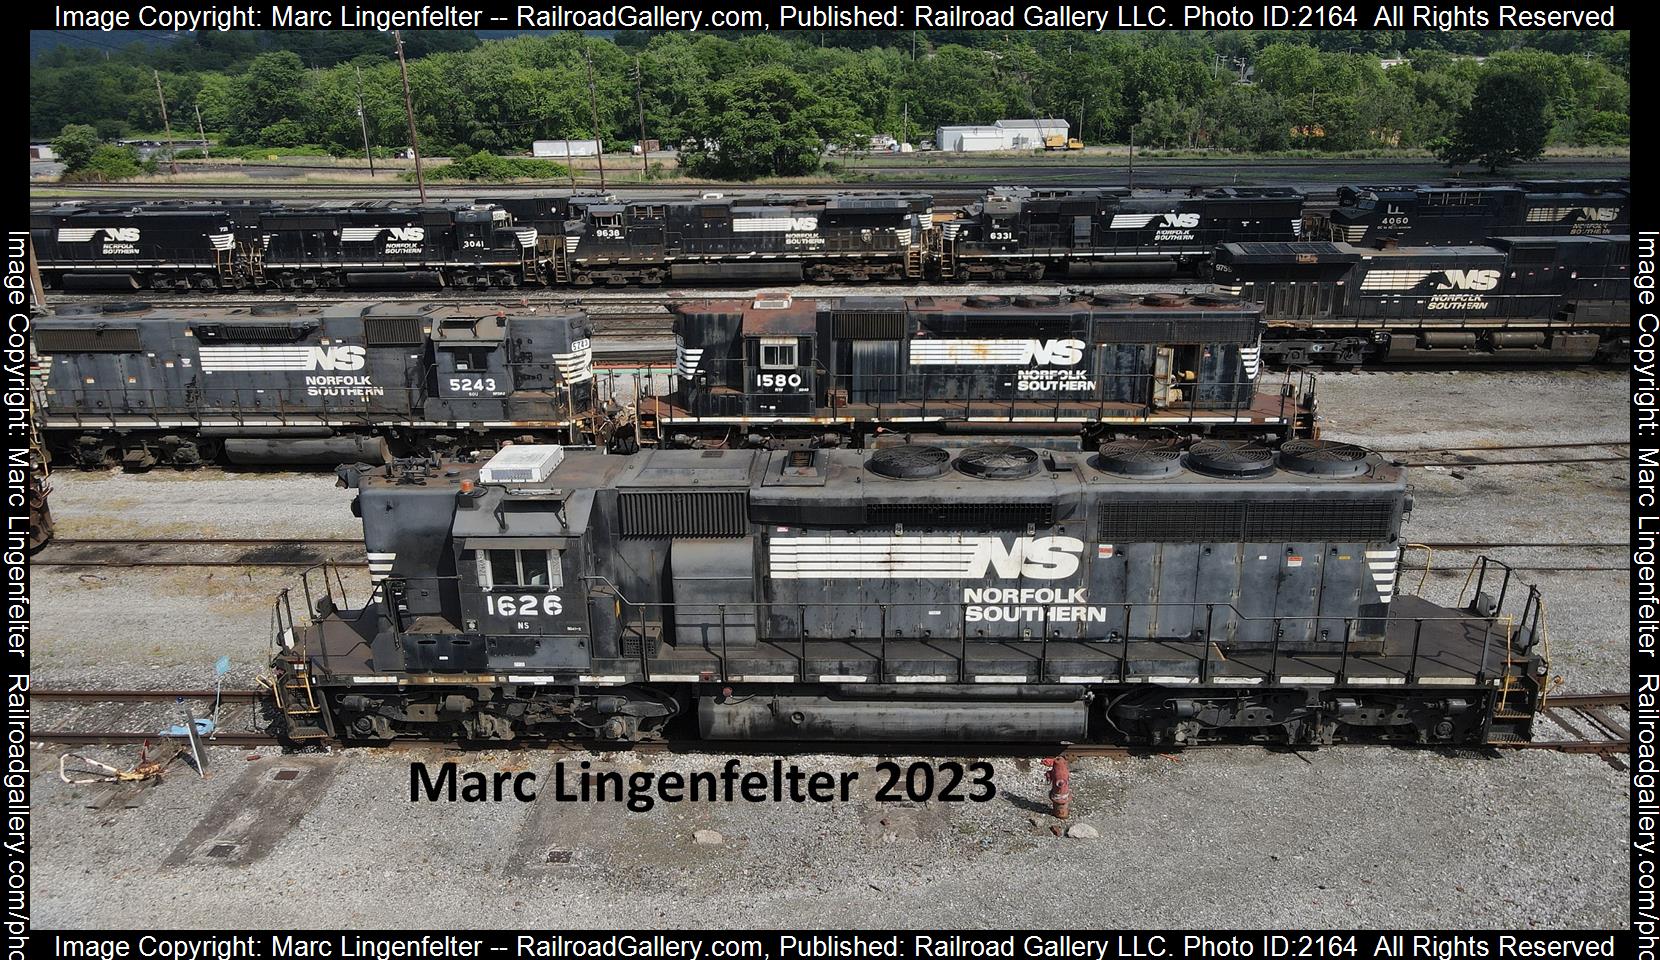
[
  {"x": 1145, "y": 594},
  {"x": 1510, "y": 299},
  {"x": 779, "y": 368}
]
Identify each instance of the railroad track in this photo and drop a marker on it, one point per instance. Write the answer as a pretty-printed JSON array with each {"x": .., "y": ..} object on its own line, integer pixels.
[
  {"x": 1591, "y": 722},
  {"x": 198, "y": 552},
  {"x": 238, "y": 720},
  {"x": 1596, "y": 723},
  {"x": 1458, "y": 457}
]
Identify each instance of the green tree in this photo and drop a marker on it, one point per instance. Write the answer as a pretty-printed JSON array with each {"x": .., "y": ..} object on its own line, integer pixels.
[
  {"x": 1507, "y": 121},
  {"x": 765, "y": 121},
  {"x": 75, "y": 145},
  {"x": 273, "y": 88}
]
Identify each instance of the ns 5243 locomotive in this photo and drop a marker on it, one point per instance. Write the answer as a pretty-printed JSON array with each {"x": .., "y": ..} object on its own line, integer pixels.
[
  {"x": 1144, "y": 593},
  {"x": 306, "y": 384}
]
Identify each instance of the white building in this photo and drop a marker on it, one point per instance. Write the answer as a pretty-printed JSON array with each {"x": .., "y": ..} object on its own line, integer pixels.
[
  {"x": 1002, "y": 135},
  {"x": 564, "y": 148}
]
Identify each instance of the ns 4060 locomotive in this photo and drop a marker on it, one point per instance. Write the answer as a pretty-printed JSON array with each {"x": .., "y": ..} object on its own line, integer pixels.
[{"x": 1145, "y": 593}]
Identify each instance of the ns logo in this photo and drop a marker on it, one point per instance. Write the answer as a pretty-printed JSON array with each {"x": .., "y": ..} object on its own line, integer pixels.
[
  {"x": 1186, "y": 220},
  {"x": 1055, "y": 353},
  {"x": 121, "y": 234},
  {"x": 336, "y": 358},
  {"x": 406, "y": 234},
  {"x": 1038, "y": 558},
  {"x": 1468, "y": 280}
]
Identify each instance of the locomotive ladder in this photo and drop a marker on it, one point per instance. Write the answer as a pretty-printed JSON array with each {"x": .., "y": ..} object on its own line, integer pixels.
[
  {"x": 561, "y": 262},
  {"x": 913, "y": 261},
  {"x": 255, "y": 255},
  {"x": 947, "y": 256},
  {"x": 295, "y": 696}
]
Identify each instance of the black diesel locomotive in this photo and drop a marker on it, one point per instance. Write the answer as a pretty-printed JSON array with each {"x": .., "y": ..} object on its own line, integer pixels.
[
  {"x": 715, "y": 239},
  {"x": 780, "y": 368},
  {"x": 1452, "y": 214},
  {"x": 1143, "y": 594},
  {"x": 232, "y": 245},
  {"x": 584, "y": 238},
  {"x": 291, "y": 384},
  {"x": 1564, "y": 299},
  {"x": 1033, "y": 232},
  {"x": 348, "y": 383}
]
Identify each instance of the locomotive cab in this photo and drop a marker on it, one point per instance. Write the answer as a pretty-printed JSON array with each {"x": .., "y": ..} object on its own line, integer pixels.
[
  {"x": 778, "y": 357},
  {"x": 470, "y": 364},
  {"x": 518, "y": 560},
  {"x": 531, "y": 368}
]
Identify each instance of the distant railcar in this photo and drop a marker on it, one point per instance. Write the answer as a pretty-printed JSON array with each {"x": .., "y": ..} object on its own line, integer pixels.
[
  {"x": 1510, "y": 299},
  {"x": 390, "y": 244},
  {"x": 783, "y": 239},
  {"x": 1032, "y": 232},
  {"x": 1451, "y": 215},
  {"x": 164, "y": 245}
]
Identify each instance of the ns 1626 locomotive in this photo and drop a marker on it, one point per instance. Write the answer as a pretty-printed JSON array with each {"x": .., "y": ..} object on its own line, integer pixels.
[
  {"x": 307, "y": 384},
  {"x": 777, "y": 367},
  {"x": 1510, "y": 299},
  {"x": 1144, "y": 593}
]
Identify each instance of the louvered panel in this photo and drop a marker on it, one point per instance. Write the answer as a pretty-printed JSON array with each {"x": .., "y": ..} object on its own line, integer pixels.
[
  {"x": 667, "y": 515},
  {"x": 103, "y": 340},
  {"x": 392, "y": 331},
  {"x": 868, "y": 324}
]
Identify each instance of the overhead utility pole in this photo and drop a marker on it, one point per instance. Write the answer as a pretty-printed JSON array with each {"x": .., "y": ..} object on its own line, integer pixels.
[
  {"x": 409, "y": 111},
  {"x": 593, "y": 106},
  {"x": 172, "y": 155},
  {"x": 363, "y": 122}
]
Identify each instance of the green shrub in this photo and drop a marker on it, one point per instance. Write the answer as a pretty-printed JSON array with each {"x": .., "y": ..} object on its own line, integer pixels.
[
  {"x": 488, "y": 166},
  {"x": 110, "y": 162}
]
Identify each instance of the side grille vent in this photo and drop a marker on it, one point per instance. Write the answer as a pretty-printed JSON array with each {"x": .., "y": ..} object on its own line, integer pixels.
[
  {"x": 252, "y": 332},
  {"x": 868, "y": 324},
  {"x": 392, "y": 331},
  {"x": 715, "y": 513},
  {"x": 1182, "y": 330},
  {"x": 1303, "y": 520},
  {"x": 1263, "y": 521},
  {"x": 994, "y": 516},
  {"x": 105, "y": 340}
]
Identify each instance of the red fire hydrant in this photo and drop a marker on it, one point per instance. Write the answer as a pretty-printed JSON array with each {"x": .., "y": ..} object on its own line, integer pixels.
[{"x": 1060, "y": 786}]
